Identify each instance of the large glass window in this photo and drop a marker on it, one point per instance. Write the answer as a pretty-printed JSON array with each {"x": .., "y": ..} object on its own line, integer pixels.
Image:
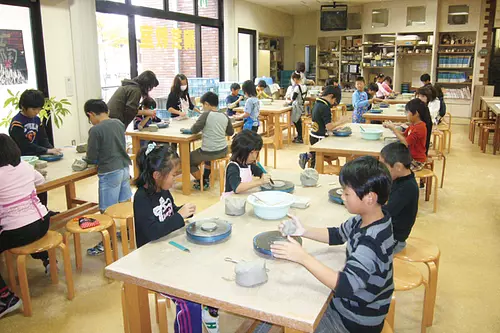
[
  {"x": 158, "y": 4},
  {"x": 167, "y": 48},
  {"x": 210, "y": 52},
  {"x": 181, "y": 6},
  {"x": 114, "y": 56},
  {"x": 208, "y": 8}
]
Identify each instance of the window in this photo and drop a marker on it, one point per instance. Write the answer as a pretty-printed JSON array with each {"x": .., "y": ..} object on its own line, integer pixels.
[
  {"x": 114, "y": 56},
  {"x": 380, "y": 18},
  {"x": 158, "y": 4},
  {"x": 458, "y": 14},
  {"x": 133, "y": 39},
  {"x": 208, "y": 8},
  {"x": 182, "y": 6},
  {"x": 167, "y": 48},
  {"x": 353, "y": 21},
  {"x": 415, "y": 16},
  {"x": 210, "y": 55}
]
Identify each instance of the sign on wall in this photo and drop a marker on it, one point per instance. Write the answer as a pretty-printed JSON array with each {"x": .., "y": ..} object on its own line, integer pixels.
[
  {"x": 165, "y": 38},
  {"x": 13, "y": 69}
]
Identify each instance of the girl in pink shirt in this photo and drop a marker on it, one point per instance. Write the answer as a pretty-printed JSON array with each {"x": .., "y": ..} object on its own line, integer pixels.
[{"x": 23, "y": 219}]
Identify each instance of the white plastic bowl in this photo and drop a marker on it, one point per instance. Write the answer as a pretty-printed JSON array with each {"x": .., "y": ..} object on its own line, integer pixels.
[
  {"x": 371, "y": 134},
  {"x": 274, "y": 204},
  {"x": 266, "y": 101}
]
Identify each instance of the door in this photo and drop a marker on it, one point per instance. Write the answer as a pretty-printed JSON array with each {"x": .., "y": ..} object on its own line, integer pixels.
[
  {"x": 22, "y": 62},
  {"x": 247, "y": 60}
]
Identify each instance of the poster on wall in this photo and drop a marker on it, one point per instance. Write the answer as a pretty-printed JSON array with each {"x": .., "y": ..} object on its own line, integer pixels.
[{"x": 13, "y": 69}]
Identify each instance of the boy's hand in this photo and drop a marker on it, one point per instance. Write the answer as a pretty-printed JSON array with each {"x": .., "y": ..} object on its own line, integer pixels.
[
  {"x": 187, "y": 210},
  {"x": 265, "y": 179},
  {"x": 299, "y": 228},
  {"x": 54, "y": 151},
  {"x": 290, "y": 250},
  {"x": 183, "y": 114},
  {"x": 389, "y": 125}
]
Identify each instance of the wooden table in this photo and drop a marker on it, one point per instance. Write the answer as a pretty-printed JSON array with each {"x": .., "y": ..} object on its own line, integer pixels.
[
  {"x": 273, "y": 112},
  {"x": 292, "y": 298},
  {"x": 351, "y": 146},
  {"x": 59, "y": 173},
  {"x": 389, "y": 113},
  {"x": 493, "y": 103},
  {"x": 172, "y": 134}
]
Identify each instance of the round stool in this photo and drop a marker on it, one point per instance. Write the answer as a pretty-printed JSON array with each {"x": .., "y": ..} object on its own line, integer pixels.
[
  {"x": 267, "y": 141},
  {"x": 220, "y": 164},
  {"x": 106, "y": 227},
  {"x": 408, "y": 277},
  {"x": 420, "y": 250},
  {"x": 49, "y": 242},
  {"x": 306, "y": 125},
  {"x": 124, "y": 211},
  {"x": 429, "y": 175}
]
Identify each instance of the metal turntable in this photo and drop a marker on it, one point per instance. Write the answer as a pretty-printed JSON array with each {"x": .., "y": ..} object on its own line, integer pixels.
[
  {"x": 263, "y": 241},
  {"x": 279, "y": 185},
  {"x": 335, "y": 195},
  {"x": 208, "y": 231}
]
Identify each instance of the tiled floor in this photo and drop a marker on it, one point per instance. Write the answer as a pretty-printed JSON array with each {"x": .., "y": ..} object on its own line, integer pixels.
[{"x": 466, "y": 228}]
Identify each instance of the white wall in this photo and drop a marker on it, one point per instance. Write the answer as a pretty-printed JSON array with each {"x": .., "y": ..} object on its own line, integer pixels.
[
  {"x": 71, "y": 52},
  {"x": 243, "y": 14}
]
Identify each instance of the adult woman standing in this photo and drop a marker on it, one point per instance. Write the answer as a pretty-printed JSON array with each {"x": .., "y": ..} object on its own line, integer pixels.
[
  {"x": 179, "y": 102},
  {"x": 124, "y": 104}
]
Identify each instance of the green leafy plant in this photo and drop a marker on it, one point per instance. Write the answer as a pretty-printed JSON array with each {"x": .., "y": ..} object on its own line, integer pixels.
[{"x": 52, "y": 108}]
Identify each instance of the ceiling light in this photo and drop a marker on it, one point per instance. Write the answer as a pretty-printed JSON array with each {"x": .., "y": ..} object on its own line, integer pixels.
[
  {"x": 459, "y": 13},
  {"x": 388, "y": 36}
]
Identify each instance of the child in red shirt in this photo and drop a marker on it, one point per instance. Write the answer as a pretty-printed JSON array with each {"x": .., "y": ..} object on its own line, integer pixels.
[{"x": 415, "y": 136}]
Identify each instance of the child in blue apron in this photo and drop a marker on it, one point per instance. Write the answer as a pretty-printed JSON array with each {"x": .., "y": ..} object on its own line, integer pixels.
[{"x": 241, "y": 170}]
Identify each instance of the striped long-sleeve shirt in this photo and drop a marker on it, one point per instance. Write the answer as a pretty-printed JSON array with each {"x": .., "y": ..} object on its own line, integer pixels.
[{"x": 365, "y": 285}]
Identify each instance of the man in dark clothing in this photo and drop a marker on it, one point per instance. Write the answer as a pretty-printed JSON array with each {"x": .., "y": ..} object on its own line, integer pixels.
[
  {"x": 322, "y": 121},
  {"x": 403, "y": 200}
]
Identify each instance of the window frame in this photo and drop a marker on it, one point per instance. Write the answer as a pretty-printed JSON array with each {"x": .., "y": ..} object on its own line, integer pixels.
[{"x": 129, "y": 10}]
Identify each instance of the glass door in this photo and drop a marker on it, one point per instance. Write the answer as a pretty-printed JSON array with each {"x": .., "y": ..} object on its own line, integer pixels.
[{"x": 247, "y": 63}]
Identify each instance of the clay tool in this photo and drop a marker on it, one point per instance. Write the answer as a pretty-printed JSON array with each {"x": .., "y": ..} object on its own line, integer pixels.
[
  {"x": 179, "y": 246},
  {"x": 264, "y": 171}
]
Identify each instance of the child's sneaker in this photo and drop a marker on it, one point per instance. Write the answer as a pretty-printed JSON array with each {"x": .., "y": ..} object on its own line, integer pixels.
[
  {"x": 9, "y": 302},
  {"x": 210, "y": 318},
  {"x": 46, "y": 264},
  {"x": 96, "y": 250},
  {"x": 303, "y": 158}
]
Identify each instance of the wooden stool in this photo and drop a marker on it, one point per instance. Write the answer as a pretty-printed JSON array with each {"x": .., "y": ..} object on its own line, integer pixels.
[
  {"x": 49, "y": 242},
  {"x": 427, "y": 175},
  {"x": 214, "y": 165},
  {"x": 124, "y": 211},
  {"x": 266, "y": 142},
  {"x": 477, "y": 122},
  {"x": 408, "y": 277},
  {"x": 484, "y": 136},
  {"x": 106, "y": 227},
  {"x": 306, "y": 125},
  {"x": 437, "y": 153},
  {"x": 445, "y": 127},
  {"x": 420, "y": 250}
]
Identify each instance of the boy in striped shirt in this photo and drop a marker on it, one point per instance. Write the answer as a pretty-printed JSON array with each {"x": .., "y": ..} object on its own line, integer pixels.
[{"x": 363, "y": 289}]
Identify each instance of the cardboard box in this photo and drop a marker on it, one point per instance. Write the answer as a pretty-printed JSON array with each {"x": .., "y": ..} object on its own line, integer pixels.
[{"x": 357, "y": 42}]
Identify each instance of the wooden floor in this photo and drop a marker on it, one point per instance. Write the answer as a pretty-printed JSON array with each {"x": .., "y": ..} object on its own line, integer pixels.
[{"x": 466, "y": 228}]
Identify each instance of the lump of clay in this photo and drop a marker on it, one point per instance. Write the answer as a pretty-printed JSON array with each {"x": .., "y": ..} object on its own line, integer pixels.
[
  {"x": 81, "y": 148},
  {"x": 43, "y": 172},
  {"x": 79, "y": 165},
  {"x": 309, "y": 177},
  {"x": 251, "y": 274},
  {"x": 39, "y": 165},
  {"x": 289, "y": 228},
  {"x": 152, "y": 128},
  {"x": 235, "y": 206}
]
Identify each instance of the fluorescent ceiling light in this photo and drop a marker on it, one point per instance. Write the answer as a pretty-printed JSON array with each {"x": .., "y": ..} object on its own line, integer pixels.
[
  {"x": 375, "y": 12},
  {"x": 459, "y": 13},
  {"x": 388, "y": 36}
]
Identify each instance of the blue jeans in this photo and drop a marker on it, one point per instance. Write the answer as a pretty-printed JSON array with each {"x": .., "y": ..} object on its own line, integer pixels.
[{"x": 114, "y": 187}]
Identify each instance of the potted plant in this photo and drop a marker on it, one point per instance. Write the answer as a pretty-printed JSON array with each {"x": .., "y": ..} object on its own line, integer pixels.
[{"x": 52, "y": 108}]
